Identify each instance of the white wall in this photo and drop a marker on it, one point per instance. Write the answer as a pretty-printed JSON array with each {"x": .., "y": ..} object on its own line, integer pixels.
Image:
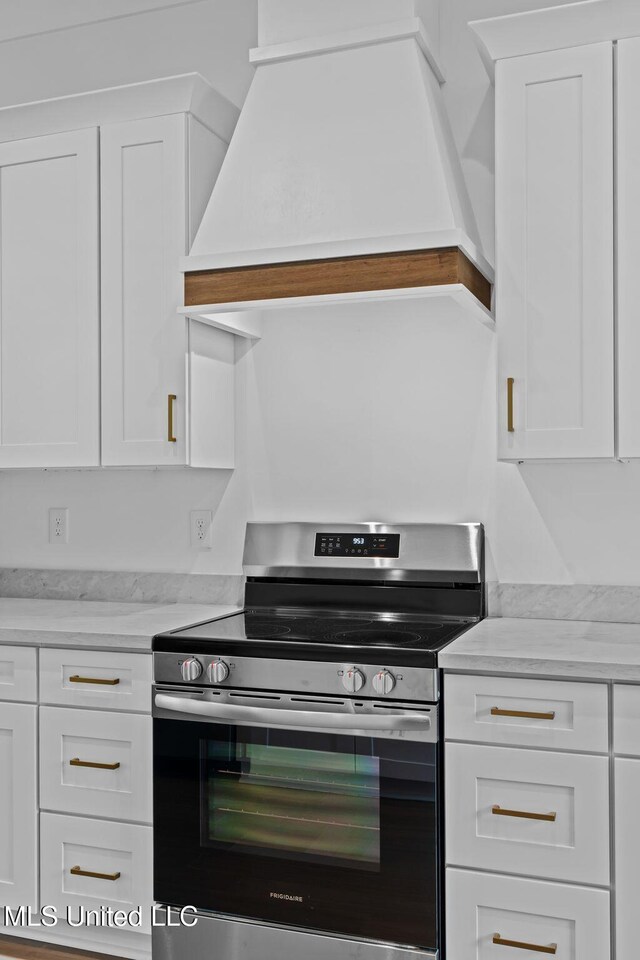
[{"x": 414, "y": 438}]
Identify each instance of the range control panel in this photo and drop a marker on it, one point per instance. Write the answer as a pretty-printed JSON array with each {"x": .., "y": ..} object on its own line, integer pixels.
[
  {"x": 297, "y": 677},
  {"x": 357, "y": 545}
]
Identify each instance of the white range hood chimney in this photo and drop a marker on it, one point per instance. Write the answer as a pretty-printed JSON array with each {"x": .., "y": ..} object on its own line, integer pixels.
[{"x": 342, "y": 168}]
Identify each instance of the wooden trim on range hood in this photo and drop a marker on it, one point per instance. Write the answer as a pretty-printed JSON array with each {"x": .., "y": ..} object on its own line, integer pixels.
[{"x": 314, "y": 278}]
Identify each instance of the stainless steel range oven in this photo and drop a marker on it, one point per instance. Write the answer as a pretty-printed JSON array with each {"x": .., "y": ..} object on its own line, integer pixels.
[{"x": 297, "y": 771}]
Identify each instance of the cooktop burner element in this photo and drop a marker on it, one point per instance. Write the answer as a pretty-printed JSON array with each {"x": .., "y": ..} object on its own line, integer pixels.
[
  {"x": 384, "y": 637},
  {"x": 264, "y": 629}
]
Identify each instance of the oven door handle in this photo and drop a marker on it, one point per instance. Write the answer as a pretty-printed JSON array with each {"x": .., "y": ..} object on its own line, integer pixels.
[{"x": 402, "y": 720}]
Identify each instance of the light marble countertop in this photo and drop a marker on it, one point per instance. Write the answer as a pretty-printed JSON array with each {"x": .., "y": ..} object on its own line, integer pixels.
[
  {"x": 97, "y": 624},
  {"x": 574, "y": 649}
]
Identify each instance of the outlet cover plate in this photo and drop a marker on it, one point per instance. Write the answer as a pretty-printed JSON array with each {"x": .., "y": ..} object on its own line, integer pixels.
[
  {"x": 58, "y": 525},
  {"x": 201, "y": 523}
]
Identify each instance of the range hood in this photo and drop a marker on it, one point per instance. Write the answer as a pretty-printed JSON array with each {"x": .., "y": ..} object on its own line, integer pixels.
[{"x": 342, "y": 179}]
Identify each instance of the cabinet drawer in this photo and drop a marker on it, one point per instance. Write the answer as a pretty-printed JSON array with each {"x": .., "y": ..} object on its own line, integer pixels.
[
  {"x": 626, "y": 719},
  {"x": 550, "y": 714},
  {"x": 120, "y": 852},
  {"x": 90, "y": 678},
  {"x": 484, "y": 911},
  {"x": 18, "y": 674},
  {"x": 96, "y": 763},
  {"x": 525, "y": 811}
]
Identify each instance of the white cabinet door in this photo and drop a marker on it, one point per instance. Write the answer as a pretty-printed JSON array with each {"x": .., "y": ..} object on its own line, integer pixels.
[
  {"x": 554, "y": 209},
  {"x": 627, "y": 857},
  {"x": 98, "y": 764},
  {"x": 490, "y": 917},
  {"x": 144, "y": 341},
  {"x": 18, "y": 674},
  {"x": 628, "y": 212},
  {"x": 96, "y": 863},
  {"x": 99, "y": 679},
  {"x": 18, "y": 806},
  {"x": 49, "y": 302},
  {"x": 535, "y": 812}
]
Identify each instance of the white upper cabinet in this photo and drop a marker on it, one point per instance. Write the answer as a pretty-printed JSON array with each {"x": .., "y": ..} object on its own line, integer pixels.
[
  {"x": 144, "y": 234},
  {"x": 150, "y": 194},
  {"x": 49, "y": 301},
  {"x": 554, "y": 209},
  {"x": 628, "y": 210},
  {"x": 97, "y": 366}
]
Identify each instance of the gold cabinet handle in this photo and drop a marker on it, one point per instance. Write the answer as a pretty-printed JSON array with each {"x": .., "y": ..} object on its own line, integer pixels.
[
  {"x": 520, "y": 945},
  {"x": 498, "y": 811},
  {"x": 510, "y": 427},
  {"x": 76, "y": 762},
  {"x": 171, "y": 399},
  {"x": 78, "y": 872},
  {"x": 527, "y": 714},
  {"x": 109, "y": 683}
]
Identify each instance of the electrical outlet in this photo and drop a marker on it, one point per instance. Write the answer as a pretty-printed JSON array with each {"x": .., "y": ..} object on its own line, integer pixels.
[
  {"x": 201, "y": 522},
  {"x": 58, "y": 525}
]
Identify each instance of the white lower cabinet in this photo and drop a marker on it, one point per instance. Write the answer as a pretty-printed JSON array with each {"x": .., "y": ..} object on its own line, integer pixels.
[
  {"x": 102, "y": 680},
  {"x": 493, "y": 917},
  {"x": 627, "y": 825},
  {"x": 18, "y": 806},
  {"x": 528, "y": 820},
  {"x": 96, "y": 763},
  {"x": 535, "y": 812},
  {"x": 88, "y": 864}
]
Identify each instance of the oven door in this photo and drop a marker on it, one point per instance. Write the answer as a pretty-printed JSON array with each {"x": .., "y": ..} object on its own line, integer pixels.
[{"x": 312, "y": 813}]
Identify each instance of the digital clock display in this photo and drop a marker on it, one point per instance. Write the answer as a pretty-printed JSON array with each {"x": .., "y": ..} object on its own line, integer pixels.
[{"x": 357, "y": 545}]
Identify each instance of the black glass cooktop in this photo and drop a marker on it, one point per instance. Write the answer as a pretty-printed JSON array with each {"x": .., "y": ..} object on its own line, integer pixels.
[{"x": 319, "y": 635}]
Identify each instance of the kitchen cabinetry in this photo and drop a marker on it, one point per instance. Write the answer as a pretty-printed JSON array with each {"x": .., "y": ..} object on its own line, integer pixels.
[
  {"x": 49, "y": 301},
  {"x": 528, "y": 917},
  {"x": 628, "y": 212},
  {"x": 626, "y": 745},
  {"x": 152, "y": 174},
  {"x": 83, "y": 837},
  {"x": 95, "y": 791},
  {"x": 99, "y": 367},
  {"x": 18, "y": 805},
  {"x": 555, "y": 294},
  {"x": 542, "y": 814}
]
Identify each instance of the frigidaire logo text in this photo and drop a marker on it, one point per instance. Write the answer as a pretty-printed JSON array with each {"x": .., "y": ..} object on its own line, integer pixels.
[{"x": 286, "y": 896}]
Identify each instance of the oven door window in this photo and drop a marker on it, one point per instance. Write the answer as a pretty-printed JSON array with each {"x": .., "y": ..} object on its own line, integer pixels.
[
  {"x": 324, "y": 831},
  {"x": 292, "y": 802}
]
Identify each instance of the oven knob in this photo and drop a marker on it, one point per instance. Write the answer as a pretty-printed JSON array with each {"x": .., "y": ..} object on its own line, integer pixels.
[
  {"x": 384, "y": 682},
  {"x": 218, "y": 671},
  {"x": 191, "y": 669},
  {"x": 353, "y": 680}
]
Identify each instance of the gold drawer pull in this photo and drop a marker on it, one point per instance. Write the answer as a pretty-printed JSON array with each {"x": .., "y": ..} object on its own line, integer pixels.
[
  {"x": 499, "y": 812},
  {"x": 76, "y": 762},
  {"x": 107, "y": 683},
  {"x": 510, "y": 426},
  {"x": 78, "y": 872},
  {"x": 171, "y": 437},
  {"x": 527, "y": 714},
  {"x": 519, "y": 945}
]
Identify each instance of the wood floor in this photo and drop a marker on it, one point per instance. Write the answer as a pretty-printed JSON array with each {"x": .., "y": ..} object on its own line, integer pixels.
[{"x": 19, "y": 949}]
